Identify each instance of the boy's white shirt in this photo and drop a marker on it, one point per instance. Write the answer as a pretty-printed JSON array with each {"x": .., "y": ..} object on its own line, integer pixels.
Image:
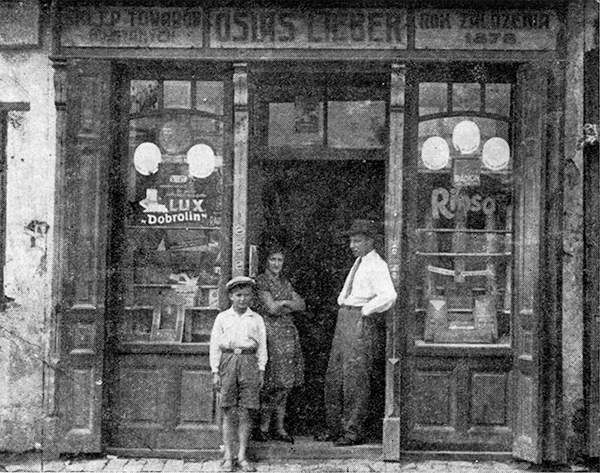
[{"x": 232, "y": 330}]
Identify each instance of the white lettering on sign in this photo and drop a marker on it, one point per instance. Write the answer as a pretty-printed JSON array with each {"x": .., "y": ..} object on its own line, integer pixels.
[
  {"x": 182, "y": 205},
  {"x": 155, "y": 27},
  {"x": 486, "y": 29},
  {"x": 449, "y": 203},
  {"x": 367, "y": 28},
  {"x": 181, "y": 217}
]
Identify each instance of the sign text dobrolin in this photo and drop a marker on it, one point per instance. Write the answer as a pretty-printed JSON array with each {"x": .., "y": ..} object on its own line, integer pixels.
[
  {"x": 153, "y": 27},
  {"x": 485, "y": 29},
  {"x": 365, "y": 28}
]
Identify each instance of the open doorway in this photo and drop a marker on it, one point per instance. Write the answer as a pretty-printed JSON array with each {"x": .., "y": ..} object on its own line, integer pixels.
[{"x": 319, "y": 163}]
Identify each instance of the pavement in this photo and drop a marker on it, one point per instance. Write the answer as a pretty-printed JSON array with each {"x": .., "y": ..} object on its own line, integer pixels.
[{"x": 32, "y": 462}]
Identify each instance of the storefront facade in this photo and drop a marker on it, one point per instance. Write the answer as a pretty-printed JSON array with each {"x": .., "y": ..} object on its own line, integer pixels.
[{"x": 191, "y": 136}]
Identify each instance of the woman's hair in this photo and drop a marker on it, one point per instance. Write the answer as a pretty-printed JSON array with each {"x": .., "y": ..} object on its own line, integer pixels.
[{"x": 274, "y": 248}]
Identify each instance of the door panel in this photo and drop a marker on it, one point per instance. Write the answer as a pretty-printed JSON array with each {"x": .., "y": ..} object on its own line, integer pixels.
[
  {"x": 170, "y": 256},
  {"x": 82, "y": 263},
  {"x": 532, "y": 83}
]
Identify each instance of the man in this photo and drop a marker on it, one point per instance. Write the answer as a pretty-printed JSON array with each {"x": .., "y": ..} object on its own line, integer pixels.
[{"x": 368, "y": 291}]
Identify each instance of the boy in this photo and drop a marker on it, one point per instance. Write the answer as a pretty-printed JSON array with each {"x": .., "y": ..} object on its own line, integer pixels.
[{"x": 238, "y": 355}]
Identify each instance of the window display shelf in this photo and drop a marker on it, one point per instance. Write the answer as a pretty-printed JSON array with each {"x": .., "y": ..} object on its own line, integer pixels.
[
  {"x": 462, "y": 230},
  {"x": 173, "y": 227},
  {"x": 463, "y": 255}
]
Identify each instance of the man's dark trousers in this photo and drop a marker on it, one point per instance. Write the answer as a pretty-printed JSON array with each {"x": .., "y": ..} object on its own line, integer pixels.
[{"x": 356, "y": 342}]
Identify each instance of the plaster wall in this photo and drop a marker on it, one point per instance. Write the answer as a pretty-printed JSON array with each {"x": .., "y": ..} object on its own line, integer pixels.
[{"x": 30, "y": 201}]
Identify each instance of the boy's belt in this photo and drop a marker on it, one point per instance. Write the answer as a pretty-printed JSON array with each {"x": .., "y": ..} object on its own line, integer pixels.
[{"x": 239, "y": 351}]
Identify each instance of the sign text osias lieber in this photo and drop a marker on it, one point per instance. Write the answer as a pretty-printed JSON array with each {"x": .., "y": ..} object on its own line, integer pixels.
[{"x": 312, "y": 26}]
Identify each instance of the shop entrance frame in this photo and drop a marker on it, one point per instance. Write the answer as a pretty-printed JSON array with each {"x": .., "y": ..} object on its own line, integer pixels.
[{"x": 85, "y": 145}]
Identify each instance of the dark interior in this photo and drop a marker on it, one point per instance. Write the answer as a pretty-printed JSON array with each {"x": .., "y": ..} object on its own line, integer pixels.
[{"x": 307, "y": 206}]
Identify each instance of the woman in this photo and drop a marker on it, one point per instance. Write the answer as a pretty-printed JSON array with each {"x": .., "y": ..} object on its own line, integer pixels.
[{"x": 285, "y": 368}]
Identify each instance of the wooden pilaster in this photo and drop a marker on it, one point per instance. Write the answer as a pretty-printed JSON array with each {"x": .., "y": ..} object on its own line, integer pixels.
[
  {"x": 393, "y": 234},
  {"x": 240, "y": 168}
]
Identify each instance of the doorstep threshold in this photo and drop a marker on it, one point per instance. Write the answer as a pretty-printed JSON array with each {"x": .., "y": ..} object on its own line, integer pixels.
[{"x": 305, "y": 448}]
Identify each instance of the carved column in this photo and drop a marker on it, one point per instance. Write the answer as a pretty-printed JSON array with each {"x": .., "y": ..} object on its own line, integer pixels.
[
  {"x": 393, "y": 234},
  {"x": 240, "y": 168}
]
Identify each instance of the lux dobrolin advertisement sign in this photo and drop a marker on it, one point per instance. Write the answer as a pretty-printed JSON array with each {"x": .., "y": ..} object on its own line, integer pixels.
[
  {"x": 172, "y": 198},
  {"x": 323, "y": 28}
]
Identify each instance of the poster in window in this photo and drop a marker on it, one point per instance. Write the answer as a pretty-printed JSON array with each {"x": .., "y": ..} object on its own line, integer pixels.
[{"x": 307, "y": 114}]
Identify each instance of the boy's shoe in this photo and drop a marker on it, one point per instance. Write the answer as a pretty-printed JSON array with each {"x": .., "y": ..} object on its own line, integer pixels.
[
  {"x": 227, "y": 465},
  {"x": 346, "y": 441},
  {"x": 245, "y": 465}
]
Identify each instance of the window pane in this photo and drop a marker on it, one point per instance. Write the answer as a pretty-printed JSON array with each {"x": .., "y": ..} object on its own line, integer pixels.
[
  {"x": 463, "y": 241},
  {"x": 433, "y": 97},
  {"x": 295, "y": 124},
  {"x": 143, "y": 96},
  {"x": 444, "y": 128},
  {"x": 466, "y": 97},
  {"x": 497, "y": 99},
  {"x": 174, "y": 219},
  {"x": 177, "y": 94},
  {"x": 209, "y": 97},
  {"x": 356, "y": 125}
]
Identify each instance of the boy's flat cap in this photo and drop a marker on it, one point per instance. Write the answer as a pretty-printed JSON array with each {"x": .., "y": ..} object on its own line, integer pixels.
[{"x": 239, "y": 281}]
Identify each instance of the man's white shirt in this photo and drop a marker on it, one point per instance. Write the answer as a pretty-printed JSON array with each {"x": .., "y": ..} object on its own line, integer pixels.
[{"x": 372, "y": 287}]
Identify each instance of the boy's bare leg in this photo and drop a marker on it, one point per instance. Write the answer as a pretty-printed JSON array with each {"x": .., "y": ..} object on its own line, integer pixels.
[
  {"x": 228, "y": 432},
  {"x": 243, "y": 432}
]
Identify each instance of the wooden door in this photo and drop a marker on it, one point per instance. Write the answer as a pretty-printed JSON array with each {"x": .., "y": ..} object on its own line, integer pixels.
[
  {"x": 460, "y": 194},
  {"x": 171, "y": 206},
  {"x": 475, "y": 186},
  {"x": 81, "y": 229}
]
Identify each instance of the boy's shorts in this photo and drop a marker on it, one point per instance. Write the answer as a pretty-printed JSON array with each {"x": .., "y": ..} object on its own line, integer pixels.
[{"x": 240, "y": 384}]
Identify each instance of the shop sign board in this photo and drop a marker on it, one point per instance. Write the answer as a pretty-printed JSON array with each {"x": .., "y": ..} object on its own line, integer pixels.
[
  {"x": 19, "y": 23},
  {"x": 486, "y": 29},
  {"x": 329, "y": 28},
  {"x": 131, "y": 27}
]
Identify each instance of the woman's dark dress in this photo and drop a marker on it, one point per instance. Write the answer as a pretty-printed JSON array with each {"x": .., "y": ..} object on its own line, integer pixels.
[{"x": 285, "y": 368}]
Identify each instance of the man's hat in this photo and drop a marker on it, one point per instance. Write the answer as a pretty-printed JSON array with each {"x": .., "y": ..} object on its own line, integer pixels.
[
  {"x": 364, "y": 227},
  {"x": 239, "y": 281}
]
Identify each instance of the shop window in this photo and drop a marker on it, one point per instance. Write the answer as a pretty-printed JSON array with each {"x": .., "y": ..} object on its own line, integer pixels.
[
  {"x": 466, "y": 97},
  {"x": 177, "y": 94},
  {"x": 209, "y": 97},
  {"x": 296, "y": 124},
  {"x": 174, "y": 218},
  {"x": 464, "y": 200},
  {"x": 342, "y": 117},
  {"x": 356, "y": 124},
  {"x": 433, "y": 98}
]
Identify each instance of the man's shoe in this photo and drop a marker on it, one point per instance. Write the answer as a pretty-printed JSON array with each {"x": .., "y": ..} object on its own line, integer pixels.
[
  {"x": 345, "y": 441},
  {"x": 227, "y": 465},
  {"x": 326, "y": 437}
]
